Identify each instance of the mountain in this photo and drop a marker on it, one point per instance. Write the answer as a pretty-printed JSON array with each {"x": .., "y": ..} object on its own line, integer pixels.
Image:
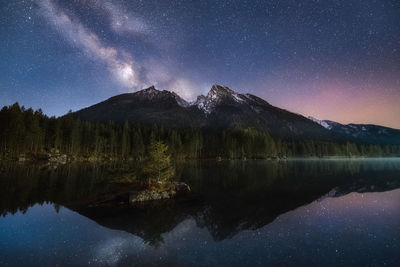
[
  {"x": 148, "y": 106},
  {"x": 366, "y": 133},
  {"x": 221, "y": 108},
  {"x": 227, "y": 109}
]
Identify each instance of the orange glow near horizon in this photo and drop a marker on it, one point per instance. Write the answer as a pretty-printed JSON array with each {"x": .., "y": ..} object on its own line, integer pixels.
[{"x": 343, "y": 102}]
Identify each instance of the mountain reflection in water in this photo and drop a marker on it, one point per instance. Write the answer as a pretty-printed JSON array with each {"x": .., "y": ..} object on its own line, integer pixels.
[{"x": 230, "y": 198}]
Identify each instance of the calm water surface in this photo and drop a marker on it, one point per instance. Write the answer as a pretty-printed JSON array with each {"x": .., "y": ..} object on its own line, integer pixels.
[{"x": 296, "y": 212}]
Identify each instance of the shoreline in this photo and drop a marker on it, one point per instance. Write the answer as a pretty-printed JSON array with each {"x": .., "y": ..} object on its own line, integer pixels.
[{"x": 64, "y": 159}]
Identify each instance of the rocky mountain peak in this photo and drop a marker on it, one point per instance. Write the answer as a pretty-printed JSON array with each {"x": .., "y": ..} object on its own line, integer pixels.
[
  {"x": 148, "y": 92},
  {"x": 220, "y": 90},
  {"x": 217, "y": 94},
  {"x": 152, "y": 93}
]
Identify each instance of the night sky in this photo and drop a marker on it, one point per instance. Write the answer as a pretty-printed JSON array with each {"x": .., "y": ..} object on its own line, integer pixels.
[{"x": 337, "y": 60}]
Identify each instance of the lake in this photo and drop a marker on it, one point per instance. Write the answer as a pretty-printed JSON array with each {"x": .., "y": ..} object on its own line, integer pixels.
[{"x": 295, "y": 212}]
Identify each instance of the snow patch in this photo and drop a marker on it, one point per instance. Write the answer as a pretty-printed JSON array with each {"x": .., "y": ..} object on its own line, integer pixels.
[
  {"x": 238, "y": 98},
  {"x": 215, "y": 95},
  {"x": 323, "y": 123}
]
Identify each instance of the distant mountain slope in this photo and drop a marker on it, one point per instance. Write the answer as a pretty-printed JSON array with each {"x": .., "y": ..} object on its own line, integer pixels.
[
  {"x": 366, "y": 133},
  {"x": 223, "y": 108}
]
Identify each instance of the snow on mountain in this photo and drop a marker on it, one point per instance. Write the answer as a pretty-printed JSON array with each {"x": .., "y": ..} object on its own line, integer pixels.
[
  {"x": 152, "y": 93},
  {"x": 223, "y": 108},
  {"x": 363, "y": 132},
  {"x": 149, "y": 93},
  {"x": 323, "y": 123},
  {"x": 216, "y": 95}
]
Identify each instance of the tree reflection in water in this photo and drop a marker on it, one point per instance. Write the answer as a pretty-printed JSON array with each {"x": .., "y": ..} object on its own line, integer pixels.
[{"x": 228, "y": 196}]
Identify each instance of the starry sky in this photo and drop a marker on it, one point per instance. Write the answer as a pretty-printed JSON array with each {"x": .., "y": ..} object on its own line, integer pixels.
[{"x": 336, "y": 60}]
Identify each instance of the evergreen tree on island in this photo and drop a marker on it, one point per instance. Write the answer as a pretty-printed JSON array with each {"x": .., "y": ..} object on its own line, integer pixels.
[{"x": 157, "y": 165}]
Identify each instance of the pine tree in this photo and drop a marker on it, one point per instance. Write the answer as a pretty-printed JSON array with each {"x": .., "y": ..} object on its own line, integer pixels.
[
  {"x": 138, "y": 147},
  {"x": 125, "y": 145},
  {"x": 157, "y": 165}
]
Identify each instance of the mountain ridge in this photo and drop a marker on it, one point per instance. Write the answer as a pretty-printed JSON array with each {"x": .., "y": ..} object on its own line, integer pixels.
[
  {"x": 369, "y": 133},
  {"x": 223, "y": 108}
]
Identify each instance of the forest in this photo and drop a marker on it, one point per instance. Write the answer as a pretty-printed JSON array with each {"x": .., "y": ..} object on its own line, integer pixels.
[{"x": 34, "y": 133}]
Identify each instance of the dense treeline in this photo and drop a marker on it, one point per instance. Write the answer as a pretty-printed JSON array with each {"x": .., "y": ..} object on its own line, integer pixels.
[{"x": 28, "y": 131}]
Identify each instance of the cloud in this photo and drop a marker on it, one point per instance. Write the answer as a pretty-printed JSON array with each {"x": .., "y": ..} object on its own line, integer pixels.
[{"x": 129, "y": 73}]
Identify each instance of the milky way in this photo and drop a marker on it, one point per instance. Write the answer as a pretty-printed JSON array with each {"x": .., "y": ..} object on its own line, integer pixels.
[{"x": 336, "y": 60}]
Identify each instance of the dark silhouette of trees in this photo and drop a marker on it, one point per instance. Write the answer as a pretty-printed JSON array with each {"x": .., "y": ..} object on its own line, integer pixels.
[{"x": 25, "y": 131}]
